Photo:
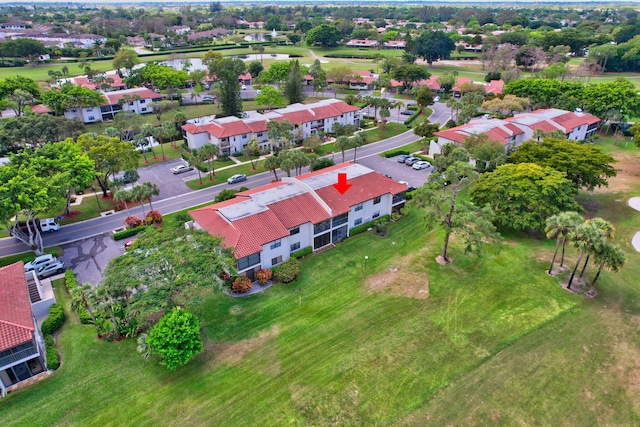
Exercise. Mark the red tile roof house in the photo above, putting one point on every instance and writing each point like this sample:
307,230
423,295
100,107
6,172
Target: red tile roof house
117,84
265,225
232,134
362,43
519,128
432,82
24,301
111,106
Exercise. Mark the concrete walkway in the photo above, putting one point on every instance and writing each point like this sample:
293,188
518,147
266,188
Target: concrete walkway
256,288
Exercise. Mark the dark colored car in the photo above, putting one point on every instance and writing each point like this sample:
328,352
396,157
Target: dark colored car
402,158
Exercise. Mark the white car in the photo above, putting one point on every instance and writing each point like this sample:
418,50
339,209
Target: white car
244,87
51,269
181,169
421,165
40,261
436,99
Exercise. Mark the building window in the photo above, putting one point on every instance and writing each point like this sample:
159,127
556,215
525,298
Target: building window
294,231
275,244
277,260
259,134
376,214
321,226
358,207
91,109
143,101
91,118
131,103
244,136
249,261
294,246
340,219
358,221
376,200
143,109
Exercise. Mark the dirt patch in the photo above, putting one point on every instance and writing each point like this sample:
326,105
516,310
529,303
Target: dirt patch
401,279
233,352
628,169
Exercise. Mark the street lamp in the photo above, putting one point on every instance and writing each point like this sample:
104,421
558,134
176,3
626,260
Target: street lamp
366,257
93,187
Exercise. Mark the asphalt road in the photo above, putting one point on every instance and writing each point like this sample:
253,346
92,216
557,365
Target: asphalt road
185,198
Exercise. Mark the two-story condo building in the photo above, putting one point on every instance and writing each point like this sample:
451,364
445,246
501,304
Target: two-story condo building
232,134
138,101
519,128
265,225
23,300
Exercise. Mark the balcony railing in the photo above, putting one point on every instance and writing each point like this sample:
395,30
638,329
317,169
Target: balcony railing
18,355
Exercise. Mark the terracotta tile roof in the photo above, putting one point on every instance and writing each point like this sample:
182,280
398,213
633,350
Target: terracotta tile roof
257,230
495,87
84,81
299,210
16,321
142,92
572,120
460,82
40,109
245,76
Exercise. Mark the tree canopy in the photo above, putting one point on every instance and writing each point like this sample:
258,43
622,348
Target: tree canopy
324,35
524,195
434,45
584,165
175,338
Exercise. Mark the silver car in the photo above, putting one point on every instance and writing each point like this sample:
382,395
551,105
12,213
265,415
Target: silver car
51,269
40,261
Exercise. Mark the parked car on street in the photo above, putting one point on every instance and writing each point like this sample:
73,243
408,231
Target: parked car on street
402,158
237,178
39,262
421,165
181,169
406,112
51,269
208,98
411,160
436,99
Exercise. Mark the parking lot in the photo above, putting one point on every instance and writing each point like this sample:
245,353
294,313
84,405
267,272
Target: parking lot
397,171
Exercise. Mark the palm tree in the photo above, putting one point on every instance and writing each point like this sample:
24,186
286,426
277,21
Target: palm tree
83,296
585,237
112,132
141,142
138,194
343,143
398,105
152,189
610,256
147,130
210,152
356,141
272,163
558,227
106,301
123,196
608,231
455,105
384,116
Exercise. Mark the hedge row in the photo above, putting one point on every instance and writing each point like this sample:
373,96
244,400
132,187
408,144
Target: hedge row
413,117
364,227
71,283
393,153
53,362
302,252
54,321
128,232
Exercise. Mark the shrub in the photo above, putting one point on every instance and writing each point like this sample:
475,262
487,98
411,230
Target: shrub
393,153
54,321
70,280
133,221
53,362
413,117
153,217
364,227
288,270
128,232
264,276
450,124
241,285
302,252
380,227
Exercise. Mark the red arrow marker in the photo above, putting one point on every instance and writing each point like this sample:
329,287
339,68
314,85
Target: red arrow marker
342,185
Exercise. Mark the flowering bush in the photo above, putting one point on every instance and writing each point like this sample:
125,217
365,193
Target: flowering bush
264,276
133,221
153,217
241,285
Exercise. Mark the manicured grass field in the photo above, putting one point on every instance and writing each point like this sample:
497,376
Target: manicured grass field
497,342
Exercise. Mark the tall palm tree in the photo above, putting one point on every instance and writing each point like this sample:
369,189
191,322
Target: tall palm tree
106,302
343,143
123,196
585,237
538,134
138,194
356,141
272,163
398,105
558,227
210,152
152,189
609,256
83,296
147,130
608,231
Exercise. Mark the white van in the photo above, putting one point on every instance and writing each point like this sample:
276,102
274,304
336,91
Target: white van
49,224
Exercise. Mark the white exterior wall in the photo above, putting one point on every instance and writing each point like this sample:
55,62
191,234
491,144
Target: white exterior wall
196,140
268,254
304,237
140,106
86,115
579,133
